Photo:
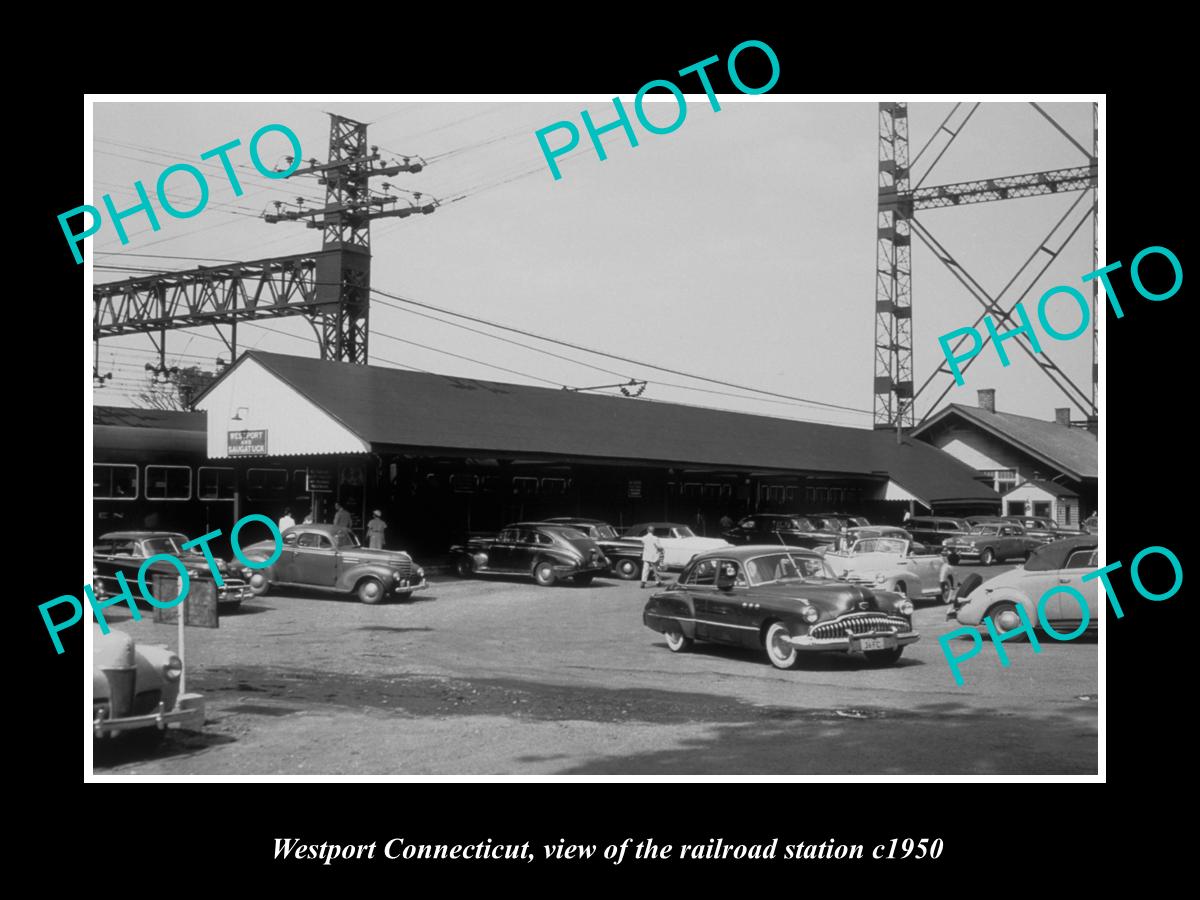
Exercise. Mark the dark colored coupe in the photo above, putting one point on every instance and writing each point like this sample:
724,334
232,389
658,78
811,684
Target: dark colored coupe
786,602
1043,528
624,554
789,529
545,551
991,542
125,551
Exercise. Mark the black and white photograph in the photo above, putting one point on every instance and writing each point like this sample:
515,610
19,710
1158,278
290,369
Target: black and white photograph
684,433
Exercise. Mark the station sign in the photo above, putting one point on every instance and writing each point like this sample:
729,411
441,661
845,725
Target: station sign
320,481
248,443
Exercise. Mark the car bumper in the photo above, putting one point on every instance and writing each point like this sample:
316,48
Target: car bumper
404,586
964,553
852,643
568,571
188,713
234,591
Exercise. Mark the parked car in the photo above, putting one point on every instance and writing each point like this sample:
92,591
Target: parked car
933,531
330,558
137,687
848,537
1043,528
895,564
787,602
775,528
1091,524
991,542
679,542
125,551
546,551
1059,563
624,555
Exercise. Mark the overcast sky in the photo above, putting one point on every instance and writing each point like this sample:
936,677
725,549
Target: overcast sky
740,247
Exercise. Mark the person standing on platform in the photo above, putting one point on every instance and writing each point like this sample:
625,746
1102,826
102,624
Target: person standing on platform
652,552
286,521
375,529
341,516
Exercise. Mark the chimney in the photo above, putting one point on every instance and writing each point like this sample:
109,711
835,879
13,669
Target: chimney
987,399
1062,416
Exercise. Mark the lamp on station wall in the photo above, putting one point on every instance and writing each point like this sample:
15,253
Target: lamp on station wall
237,416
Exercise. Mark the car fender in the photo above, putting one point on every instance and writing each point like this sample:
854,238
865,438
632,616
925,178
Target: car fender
677,606
947,573
350,577
982,599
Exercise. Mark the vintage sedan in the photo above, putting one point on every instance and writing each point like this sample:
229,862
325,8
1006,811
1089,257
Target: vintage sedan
787,602
1052,565
934,531
125,551
895,564
624,554
546,551
1043,528
137,687
989,543
783,529
330,558
679,542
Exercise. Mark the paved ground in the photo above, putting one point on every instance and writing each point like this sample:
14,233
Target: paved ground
504,677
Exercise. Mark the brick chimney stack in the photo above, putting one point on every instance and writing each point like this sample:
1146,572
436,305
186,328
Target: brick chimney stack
1062,416
987,399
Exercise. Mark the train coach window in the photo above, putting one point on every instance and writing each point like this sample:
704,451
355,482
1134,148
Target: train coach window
554,486
114,482
525,486
214,483
266,484
168,483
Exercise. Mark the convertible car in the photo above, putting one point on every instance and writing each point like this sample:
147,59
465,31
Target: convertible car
125,551
679,542
138,687
330,558
991,542
895,564
787,602
546,551
1063,562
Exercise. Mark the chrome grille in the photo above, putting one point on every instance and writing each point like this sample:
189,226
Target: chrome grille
858,623
404,567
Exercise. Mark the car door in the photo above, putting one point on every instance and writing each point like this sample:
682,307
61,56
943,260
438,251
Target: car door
501,551
315,560
1063,607
525,548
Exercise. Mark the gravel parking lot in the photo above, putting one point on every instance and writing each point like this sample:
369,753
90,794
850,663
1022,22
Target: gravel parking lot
504,677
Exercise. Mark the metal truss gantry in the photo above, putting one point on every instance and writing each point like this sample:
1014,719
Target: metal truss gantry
330,288
895,394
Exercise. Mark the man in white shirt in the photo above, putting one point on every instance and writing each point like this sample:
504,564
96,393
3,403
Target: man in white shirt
652,551
286,521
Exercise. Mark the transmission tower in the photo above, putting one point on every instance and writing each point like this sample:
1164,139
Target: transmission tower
899,200
330,288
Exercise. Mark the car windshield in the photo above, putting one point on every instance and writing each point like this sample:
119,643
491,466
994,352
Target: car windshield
563,531
153,546
346,539
682,531
986,529
785,567
880,545
801,524
605,532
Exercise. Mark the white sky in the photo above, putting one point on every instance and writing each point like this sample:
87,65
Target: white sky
740,247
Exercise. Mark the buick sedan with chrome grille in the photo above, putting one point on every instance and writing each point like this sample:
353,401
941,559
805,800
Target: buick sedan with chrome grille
787,602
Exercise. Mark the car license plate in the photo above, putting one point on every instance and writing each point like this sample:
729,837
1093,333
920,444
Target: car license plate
879,643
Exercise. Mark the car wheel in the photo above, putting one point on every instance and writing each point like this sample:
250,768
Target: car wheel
371,590
948,592
583,579
988,557
627,569
543,573
902,589
464,567
781,653
1005,618
677,642
884,657
259,584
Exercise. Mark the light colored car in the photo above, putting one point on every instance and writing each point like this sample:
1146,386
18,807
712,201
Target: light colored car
137,687
1061,563
895,564
679,542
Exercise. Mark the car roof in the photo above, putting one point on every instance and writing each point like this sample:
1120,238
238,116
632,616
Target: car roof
138,535
745,551
319,527
657,525
558,520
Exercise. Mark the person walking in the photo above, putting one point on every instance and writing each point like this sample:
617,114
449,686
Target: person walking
286,521
726,522
375,529
652,551
341,516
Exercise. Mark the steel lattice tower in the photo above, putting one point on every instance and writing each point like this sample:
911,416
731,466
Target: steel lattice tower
893,274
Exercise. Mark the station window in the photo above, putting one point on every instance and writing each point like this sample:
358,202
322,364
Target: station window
692,489
772,493
525,487
266,484
554,487
215,483
491,483
114,482
168,483
791,495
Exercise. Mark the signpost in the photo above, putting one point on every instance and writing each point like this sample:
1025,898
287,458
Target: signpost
252,442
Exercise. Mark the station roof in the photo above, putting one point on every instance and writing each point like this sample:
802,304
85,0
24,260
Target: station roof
1070,450
388,408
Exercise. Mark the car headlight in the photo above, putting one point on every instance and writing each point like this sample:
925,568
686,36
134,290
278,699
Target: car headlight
880,578
420,573
173,669
395,576
222,566
904,607
810,614
246,573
